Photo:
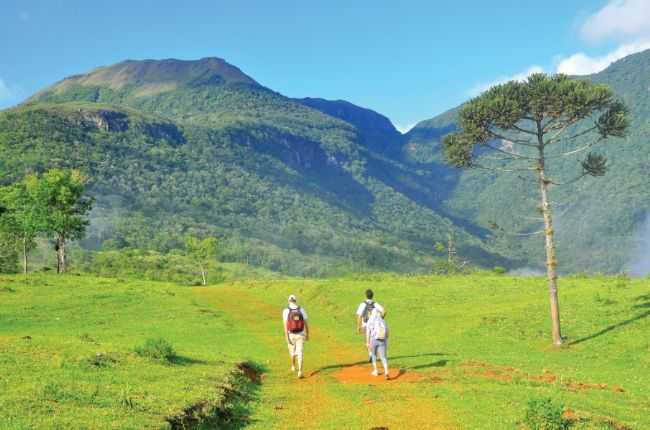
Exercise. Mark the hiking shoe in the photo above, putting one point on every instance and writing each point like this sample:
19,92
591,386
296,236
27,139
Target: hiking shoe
387,376
375,373
293,368
300,375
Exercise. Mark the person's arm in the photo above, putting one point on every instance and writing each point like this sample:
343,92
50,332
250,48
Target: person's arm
360,311
306,330
284,327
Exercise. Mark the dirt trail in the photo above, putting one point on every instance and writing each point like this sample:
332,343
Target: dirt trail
338,392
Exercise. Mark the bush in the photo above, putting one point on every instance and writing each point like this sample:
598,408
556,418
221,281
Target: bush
157,349
499,270
543,414
101,359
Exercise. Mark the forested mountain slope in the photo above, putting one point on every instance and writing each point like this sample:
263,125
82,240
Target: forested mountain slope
176,147
598,220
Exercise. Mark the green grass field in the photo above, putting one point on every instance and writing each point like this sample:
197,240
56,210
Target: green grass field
465,352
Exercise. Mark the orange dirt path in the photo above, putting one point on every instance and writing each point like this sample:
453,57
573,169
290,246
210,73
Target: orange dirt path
323,399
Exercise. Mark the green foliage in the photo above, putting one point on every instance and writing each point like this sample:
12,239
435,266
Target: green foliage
8,253
454,267
67,353
201,249
157,349
612,209
454,371
61,192
283,186
101,359
553,103
499,270
25,215
544,414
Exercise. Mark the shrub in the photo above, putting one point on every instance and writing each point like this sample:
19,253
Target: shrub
544,414
101,359
499,270
157,349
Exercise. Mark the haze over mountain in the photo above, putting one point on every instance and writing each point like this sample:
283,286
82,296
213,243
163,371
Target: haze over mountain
307,186
599,221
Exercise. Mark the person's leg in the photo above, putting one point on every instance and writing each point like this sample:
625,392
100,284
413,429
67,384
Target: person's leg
373,357
299,341
382,349
363,329
292,354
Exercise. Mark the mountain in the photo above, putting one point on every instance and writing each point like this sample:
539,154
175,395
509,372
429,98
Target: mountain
599,221
303,186
375,130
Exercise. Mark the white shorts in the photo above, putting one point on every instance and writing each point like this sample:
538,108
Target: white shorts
296,343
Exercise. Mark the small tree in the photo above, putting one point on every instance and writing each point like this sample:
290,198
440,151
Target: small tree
8,253
202,251
25,217
62,194
529,126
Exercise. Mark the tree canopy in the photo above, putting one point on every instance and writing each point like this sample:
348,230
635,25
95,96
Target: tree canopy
525,127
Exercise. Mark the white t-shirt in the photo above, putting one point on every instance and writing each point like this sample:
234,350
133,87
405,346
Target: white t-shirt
285,312
362,308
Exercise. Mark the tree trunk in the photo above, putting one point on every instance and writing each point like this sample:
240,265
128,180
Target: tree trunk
25,266
551,259
60,254
205,279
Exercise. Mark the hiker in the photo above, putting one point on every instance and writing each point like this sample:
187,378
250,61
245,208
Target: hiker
377,341
296,332
363,315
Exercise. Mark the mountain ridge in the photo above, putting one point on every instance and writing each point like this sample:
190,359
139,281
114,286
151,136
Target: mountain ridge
600,224
304,186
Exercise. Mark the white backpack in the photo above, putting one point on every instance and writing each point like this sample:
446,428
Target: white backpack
380,328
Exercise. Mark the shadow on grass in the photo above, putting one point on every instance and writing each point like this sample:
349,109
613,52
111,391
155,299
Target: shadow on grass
180,360
438,363
644,303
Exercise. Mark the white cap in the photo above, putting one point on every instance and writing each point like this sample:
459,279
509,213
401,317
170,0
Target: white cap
292,298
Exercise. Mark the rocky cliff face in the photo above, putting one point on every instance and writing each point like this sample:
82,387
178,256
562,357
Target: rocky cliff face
102,119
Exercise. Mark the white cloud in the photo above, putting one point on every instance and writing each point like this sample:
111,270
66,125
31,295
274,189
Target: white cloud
623,20
5,92
479,88
404,127
583,64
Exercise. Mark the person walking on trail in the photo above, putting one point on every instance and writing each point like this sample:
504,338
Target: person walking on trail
296,332
363,314
377,341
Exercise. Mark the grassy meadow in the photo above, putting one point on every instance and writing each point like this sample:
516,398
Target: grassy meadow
466,352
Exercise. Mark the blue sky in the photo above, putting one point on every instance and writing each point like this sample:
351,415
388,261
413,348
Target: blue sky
409,60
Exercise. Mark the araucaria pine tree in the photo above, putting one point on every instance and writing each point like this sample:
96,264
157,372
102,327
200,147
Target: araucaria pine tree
528,126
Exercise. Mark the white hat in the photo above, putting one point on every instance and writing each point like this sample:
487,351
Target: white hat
292,298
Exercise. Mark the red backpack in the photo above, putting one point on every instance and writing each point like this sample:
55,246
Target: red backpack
295,321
